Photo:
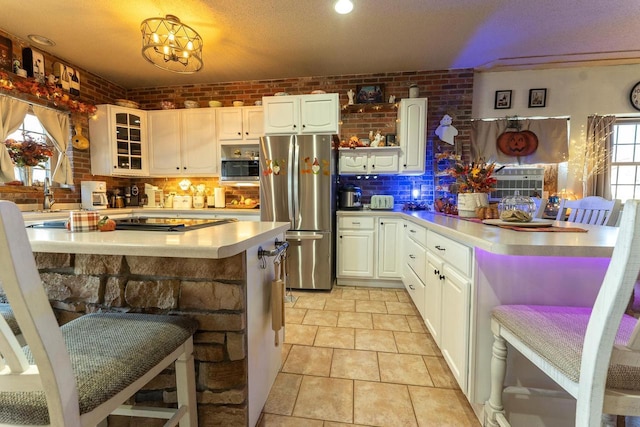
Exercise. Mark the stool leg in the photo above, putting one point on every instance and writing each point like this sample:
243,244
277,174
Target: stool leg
186,385
493,406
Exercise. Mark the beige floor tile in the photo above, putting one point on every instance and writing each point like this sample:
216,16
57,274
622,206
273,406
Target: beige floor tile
358,294
321,318
294,315
390,322
440,372
314,303
381,404
355,365
451,407
283,394
403,296
335,337
328,399
332,424
300,334
400,308
371,306
270,420
355,320
336,292
286,348
338,304
375,340
309,361
403,369
383,295
416,324
414,343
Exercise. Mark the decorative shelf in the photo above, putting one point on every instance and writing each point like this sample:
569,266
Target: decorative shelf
369,108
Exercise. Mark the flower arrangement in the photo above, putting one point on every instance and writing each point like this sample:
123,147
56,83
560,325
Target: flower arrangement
28,152
476,177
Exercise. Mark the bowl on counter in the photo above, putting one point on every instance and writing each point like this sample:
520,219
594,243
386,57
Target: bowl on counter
215,104
191,104
238,103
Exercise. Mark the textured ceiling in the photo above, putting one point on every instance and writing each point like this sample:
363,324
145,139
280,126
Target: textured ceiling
270,39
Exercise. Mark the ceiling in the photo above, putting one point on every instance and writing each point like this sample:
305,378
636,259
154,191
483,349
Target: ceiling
271,39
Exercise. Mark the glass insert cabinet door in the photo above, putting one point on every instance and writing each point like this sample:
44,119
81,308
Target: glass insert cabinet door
128,141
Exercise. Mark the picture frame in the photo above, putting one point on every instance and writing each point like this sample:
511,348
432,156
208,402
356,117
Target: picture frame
537,98
370,94
503,100
6,54
33,62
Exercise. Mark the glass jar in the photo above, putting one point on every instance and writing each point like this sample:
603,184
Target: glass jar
516,208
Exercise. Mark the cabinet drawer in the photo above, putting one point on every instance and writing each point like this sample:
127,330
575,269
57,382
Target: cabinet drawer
454,253
416,289
356,222
417,233
415,257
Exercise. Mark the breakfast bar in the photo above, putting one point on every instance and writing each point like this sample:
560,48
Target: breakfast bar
457,270
212,274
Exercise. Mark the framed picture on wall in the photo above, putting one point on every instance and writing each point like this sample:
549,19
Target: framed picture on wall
370,94
33,62
537,98
503,100
6,57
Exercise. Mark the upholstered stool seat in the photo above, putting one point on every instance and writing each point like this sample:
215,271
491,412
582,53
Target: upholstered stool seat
119,361
557,334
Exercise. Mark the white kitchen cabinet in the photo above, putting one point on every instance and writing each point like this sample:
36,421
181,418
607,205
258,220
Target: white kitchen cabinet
389,260
296,114
412,119
369,161
119,142
356,247
413,253
182,142
240,124
447,301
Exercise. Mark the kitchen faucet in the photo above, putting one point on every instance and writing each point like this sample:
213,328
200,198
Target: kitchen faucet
49,201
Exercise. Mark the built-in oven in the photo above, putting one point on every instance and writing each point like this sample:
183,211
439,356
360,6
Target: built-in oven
240,170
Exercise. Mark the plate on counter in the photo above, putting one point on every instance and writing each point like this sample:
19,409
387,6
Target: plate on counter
536,222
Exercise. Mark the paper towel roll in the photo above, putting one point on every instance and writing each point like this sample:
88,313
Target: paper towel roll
218,194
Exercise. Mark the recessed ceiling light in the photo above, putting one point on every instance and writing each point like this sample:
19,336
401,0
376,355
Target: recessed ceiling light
41,40
343,6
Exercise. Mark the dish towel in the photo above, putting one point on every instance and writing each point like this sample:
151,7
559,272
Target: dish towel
277,300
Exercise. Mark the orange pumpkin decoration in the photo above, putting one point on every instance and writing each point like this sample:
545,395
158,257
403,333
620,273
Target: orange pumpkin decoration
518,143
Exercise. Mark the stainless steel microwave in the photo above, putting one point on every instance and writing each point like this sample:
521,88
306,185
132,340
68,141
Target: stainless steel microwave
240,170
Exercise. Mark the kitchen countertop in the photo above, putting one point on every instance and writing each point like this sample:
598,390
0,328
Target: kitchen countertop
32,216
597,242
218,241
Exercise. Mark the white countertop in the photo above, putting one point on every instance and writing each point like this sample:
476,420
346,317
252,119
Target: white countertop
33,216
219,241
597,242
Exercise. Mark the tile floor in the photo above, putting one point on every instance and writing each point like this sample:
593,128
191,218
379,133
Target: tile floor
362,356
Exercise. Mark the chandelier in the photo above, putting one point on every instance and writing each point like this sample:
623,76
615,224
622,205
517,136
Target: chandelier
169,44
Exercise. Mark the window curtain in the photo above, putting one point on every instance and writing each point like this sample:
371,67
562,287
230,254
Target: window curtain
12,114
553,140
57,128
597,156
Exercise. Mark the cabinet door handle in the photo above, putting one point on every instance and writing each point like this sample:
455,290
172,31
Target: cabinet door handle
294,126
177,168
382,223
404,166
364,167
411,230
411,287
239,133
440,248
373,166
184,167
356,223
412,256
246,133
437,272
441,277
304,126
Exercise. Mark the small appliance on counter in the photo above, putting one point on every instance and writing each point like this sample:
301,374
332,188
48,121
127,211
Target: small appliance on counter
94,195
349,197
381,202
154,196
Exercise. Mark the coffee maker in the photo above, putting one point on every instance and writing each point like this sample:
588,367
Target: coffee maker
132,196
94,195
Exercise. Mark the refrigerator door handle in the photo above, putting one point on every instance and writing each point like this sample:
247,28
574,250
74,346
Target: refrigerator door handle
303,236
290,184
294,175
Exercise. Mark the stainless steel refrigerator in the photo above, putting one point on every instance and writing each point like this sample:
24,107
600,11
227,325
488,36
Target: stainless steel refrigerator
297,185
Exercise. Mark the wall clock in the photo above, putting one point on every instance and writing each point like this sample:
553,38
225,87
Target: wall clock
634,96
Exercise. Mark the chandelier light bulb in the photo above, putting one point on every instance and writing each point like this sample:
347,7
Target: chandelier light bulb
343,6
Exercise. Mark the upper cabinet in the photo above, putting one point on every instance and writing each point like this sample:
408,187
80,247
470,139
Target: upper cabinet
412,118
240,124
118,142
294,114
183,142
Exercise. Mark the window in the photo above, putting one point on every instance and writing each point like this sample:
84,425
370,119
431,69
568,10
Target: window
31,125
625,160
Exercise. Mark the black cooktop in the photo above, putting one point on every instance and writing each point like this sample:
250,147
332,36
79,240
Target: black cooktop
143,223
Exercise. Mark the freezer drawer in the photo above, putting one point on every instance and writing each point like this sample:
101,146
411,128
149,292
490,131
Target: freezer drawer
310,260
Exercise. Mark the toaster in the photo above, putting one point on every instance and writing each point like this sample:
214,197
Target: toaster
382,202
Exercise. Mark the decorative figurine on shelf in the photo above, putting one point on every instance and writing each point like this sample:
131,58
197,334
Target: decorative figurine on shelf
351,94
392,99
445,131
378,140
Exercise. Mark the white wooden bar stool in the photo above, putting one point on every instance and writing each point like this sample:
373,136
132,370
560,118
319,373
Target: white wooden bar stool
592,353
78,374
590,210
